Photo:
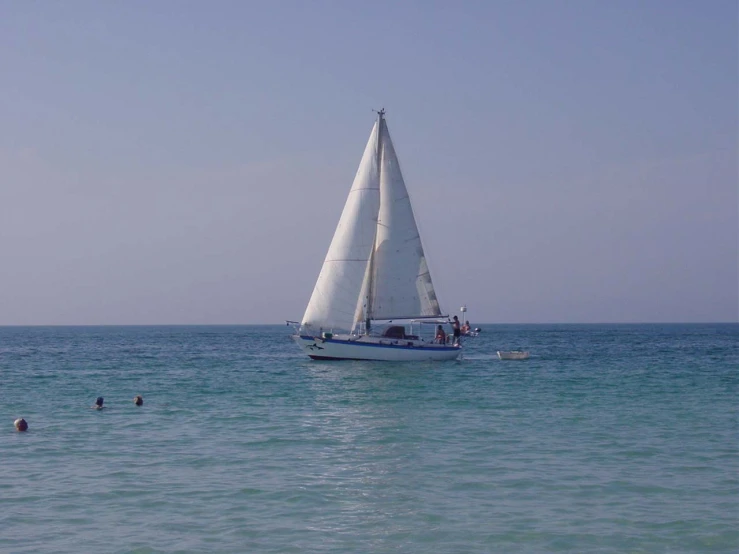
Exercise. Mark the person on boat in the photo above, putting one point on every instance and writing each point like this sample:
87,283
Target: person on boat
98,403
457,330
466,327
440,335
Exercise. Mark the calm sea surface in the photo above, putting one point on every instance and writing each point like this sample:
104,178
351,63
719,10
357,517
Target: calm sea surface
618,438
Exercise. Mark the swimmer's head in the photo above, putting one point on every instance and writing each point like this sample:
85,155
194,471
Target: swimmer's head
21,425
138,400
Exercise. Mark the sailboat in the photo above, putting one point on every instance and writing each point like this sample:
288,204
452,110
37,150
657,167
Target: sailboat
374,294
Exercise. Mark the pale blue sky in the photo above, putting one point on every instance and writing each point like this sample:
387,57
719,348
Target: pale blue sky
187,162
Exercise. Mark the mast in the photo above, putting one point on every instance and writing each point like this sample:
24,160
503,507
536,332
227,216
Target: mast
371,283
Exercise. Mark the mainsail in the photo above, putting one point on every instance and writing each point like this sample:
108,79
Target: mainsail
375,267
401,282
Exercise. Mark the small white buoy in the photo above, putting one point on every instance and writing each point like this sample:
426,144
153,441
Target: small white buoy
21,425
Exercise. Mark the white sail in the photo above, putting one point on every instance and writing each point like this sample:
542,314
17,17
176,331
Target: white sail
401,283
334,300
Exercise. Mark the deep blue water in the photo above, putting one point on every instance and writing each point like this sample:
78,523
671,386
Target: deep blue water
620,438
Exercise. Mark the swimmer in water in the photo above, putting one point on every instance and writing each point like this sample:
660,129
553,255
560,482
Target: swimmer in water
21,425
138,400
98,403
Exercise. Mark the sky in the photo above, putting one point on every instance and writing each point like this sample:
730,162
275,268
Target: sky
182,162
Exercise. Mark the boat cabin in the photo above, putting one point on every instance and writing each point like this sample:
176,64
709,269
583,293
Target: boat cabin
397,332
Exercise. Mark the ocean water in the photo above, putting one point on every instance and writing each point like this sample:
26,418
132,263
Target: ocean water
621,438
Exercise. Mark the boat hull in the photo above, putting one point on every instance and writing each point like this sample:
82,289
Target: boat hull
374,348
513,355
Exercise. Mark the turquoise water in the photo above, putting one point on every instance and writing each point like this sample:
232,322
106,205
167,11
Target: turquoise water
609,439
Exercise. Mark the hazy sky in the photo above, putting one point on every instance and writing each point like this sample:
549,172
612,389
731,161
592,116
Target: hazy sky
187,162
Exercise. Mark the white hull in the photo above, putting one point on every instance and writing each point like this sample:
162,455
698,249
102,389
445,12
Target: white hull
374,348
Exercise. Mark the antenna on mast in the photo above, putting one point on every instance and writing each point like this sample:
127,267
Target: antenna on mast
380,112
